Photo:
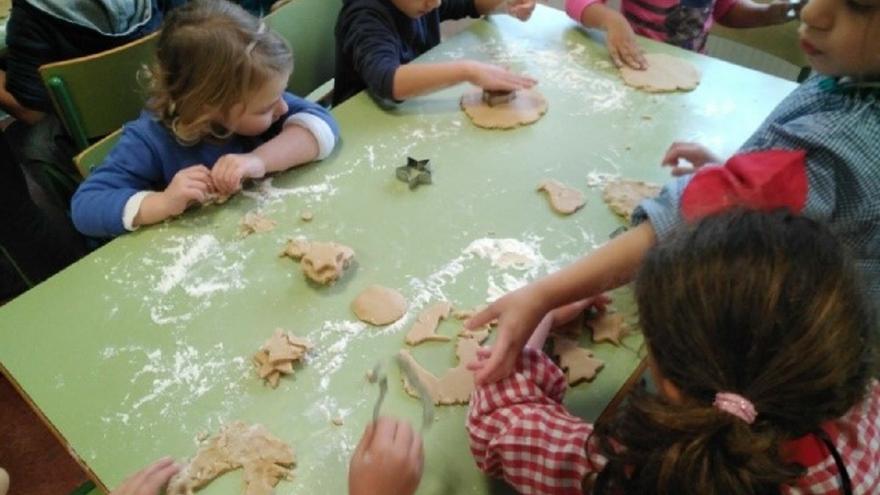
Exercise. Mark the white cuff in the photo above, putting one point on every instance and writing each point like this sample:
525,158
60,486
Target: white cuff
316,125
132,207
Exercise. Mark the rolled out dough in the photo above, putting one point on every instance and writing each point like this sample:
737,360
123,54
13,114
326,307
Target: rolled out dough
578,363
425,327
379,305
623,195
455,385
665,73
322,262
527,107
563,199
264,458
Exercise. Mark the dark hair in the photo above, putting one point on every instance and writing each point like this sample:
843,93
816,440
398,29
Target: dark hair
211,55
765,305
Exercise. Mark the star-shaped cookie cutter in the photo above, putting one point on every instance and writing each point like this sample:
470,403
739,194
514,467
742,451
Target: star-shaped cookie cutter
415,172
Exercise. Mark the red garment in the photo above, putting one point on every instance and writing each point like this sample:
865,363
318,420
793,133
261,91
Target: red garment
520,431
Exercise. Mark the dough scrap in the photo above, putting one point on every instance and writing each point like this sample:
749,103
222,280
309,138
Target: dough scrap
525,108
665,73
379,305
277,355
623,195
306,215
215,199
455,385
608,327
425,327
264,459
578,363
255,223
563,199
322,262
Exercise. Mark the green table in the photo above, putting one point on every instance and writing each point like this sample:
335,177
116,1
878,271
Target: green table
133,351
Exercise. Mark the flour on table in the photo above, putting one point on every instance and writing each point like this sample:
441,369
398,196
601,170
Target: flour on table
665,73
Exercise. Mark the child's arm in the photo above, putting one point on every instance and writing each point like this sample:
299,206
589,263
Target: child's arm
387,461
611,265
151,480
415,79
520,431
620,39
749,14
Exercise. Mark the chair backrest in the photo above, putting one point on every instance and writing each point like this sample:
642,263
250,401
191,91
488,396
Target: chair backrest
781,41
308,25
92,156
98,93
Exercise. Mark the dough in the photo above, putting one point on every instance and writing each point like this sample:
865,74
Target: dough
254,223
623,195
563,199
306,215
425,327
527,107
578,363
608,327
454,386
215,199
379,305
264,458
278,354
322,262
664,73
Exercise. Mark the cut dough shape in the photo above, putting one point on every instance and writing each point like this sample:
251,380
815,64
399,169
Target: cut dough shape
264,459
480,335
623,195
255,223
306,215
665,73
425,327
322,262
608,327
277,355
454,386
498,97
527,107
578,363
379,305
215,199
563,199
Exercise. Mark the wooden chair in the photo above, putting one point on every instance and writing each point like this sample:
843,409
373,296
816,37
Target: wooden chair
779,41
96,94
92,156
309,26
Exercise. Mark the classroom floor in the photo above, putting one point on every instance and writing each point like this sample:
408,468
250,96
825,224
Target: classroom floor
37,463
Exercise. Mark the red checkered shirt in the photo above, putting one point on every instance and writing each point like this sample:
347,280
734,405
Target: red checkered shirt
520,431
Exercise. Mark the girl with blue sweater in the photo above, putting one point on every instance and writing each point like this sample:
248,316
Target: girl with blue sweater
218,113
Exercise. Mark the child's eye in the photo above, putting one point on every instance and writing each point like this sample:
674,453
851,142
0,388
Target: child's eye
861,5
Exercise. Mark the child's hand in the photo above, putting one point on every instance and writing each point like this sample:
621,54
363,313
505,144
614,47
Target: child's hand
387,461
231,169
521,9
493,77
621,42
697,154
189,185
149,481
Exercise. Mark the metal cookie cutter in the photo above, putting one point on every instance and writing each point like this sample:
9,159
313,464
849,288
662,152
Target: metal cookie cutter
378,375
427,401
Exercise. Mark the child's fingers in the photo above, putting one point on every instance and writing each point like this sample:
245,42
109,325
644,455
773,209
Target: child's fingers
366,441
482,318
417,452
499,364
155,480
615,56
403,436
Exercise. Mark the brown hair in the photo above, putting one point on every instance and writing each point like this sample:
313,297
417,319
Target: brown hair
212,54
763,305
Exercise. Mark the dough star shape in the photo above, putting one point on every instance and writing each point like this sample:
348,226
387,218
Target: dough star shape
608,327
563,199
322,262
277,356
664,74
578,363
525,108
379,305
455,385
264,459
623,195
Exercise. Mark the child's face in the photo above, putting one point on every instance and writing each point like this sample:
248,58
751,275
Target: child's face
842,37
265,106
416,8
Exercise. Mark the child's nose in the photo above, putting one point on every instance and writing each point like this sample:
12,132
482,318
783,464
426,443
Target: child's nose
818,14
280,108
432,4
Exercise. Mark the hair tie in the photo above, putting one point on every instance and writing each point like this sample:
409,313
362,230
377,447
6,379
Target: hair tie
736,405
253,44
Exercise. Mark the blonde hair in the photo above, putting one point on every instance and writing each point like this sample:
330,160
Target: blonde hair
211,56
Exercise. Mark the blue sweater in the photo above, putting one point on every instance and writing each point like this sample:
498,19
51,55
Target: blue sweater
374,38
148,156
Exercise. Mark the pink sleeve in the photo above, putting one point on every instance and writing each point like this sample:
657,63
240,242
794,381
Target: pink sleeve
575,8
722,7
520,431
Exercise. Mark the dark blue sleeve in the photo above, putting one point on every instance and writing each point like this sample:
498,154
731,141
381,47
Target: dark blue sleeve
458,9
130,167
369,35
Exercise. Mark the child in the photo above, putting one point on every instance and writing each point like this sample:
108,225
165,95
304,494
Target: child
377,39
684,24
816,155
218,114
759,344
387,461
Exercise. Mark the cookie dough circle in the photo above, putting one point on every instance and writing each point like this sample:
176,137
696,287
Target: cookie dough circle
528,106
665,73
379,305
